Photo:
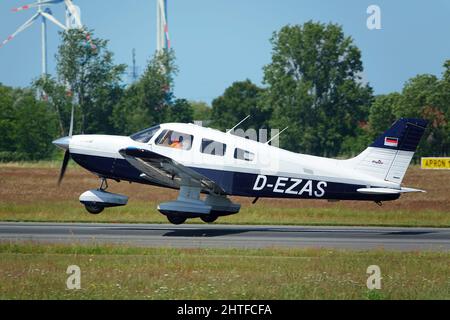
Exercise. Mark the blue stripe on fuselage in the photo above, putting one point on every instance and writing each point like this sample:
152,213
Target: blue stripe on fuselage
111,168
239,183
265,186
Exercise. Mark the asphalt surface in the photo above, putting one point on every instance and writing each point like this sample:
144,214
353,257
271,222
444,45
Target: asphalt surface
230,236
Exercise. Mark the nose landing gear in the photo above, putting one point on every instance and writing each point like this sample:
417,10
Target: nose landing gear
94,208
96,200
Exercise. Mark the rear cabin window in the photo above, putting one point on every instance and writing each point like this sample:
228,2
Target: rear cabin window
175,139
212,147
242,154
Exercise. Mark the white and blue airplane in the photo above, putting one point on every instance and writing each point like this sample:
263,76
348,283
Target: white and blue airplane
207,166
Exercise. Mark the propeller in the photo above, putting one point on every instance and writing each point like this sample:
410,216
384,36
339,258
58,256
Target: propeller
64,143
64,166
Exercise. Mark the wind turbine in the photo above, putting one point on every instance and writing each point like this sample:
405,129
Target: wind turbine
45,14
162,28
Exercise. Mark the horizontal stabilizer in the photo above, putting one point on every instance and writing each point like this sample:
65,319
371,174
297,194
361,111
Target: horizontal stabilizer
387,190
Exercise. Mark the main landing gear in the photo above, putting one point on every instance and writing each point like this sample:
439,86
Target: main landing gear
97,207
210,218
176,219
189,205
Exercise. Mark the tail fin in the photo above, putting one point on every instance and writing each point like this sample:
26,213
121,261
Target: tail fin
388,157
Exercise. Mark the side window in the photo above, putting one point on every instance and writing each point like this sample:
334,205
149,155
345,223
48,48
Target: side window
174,139
241,154
213,147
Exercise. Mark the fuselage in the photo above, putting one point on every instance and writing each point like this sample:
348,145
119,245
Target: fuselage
243,167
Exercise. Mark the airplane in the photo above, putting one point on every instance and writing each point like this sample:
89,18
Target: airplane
207,166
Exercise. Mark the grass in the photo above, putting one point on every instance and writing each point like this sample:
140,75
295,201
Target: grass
145,212
29,193
30,271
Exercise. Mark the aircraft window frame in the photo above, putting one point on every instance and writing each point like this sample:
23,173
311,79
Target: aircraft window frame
165,140
244,153
209,142
145,135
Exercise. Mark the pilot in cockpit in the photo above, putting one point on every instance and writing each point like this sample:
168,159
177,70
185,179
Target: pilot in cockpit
177,144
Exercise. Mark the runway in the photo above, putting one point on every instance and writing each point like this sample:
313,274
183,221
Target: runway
230,236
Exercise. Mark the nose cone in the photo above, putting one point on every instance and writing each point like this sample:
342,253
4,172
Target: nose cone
62,143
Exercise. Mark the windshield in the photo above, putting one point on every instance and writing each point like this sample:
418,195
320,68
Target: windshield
145,135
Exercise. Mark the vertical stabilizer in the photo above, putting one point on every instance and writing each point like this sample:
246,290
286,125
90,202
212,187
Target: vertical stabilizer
388,157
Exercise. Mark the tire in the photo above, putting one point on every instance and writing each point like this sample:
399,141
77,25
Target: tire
94,208
210,218
176,219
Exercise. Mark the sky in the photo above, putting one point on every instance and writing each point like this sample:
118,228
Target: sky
217,42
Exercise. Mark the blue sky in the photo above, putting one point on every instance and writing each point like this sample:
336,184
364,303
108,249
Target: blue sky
218,42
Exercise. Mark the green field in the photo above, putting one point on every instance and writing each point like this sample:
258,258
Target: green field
30,271
38,271
29,193
145,212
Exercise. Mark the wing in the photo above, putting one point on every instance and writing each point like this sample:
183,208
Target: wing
166,171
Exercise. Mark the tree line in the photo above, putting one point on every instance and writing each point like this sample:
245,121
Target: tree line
313,85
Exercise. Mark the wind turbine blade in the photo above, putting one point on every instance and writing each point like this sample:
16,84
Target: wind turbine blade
53,19
36,4
74,12
162,9
21,28
73,20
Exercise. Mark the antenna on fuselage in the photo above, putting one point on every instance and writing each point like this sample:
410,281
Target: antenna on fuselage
238,124
276,135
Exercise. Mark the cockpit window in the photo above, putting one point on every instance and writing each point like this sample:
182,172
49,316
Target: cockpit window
145,135
174,139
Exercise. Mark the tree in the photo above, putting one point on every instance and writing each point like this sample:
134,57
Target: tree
87,70
315,87
241,99
27,126
426,96
383,113
181,111
58,98
202,111
147,101
381,117
36,127
7,117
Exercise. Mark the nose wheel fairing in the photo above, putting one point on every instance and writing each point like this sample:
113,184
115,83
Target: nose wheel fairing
98,199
